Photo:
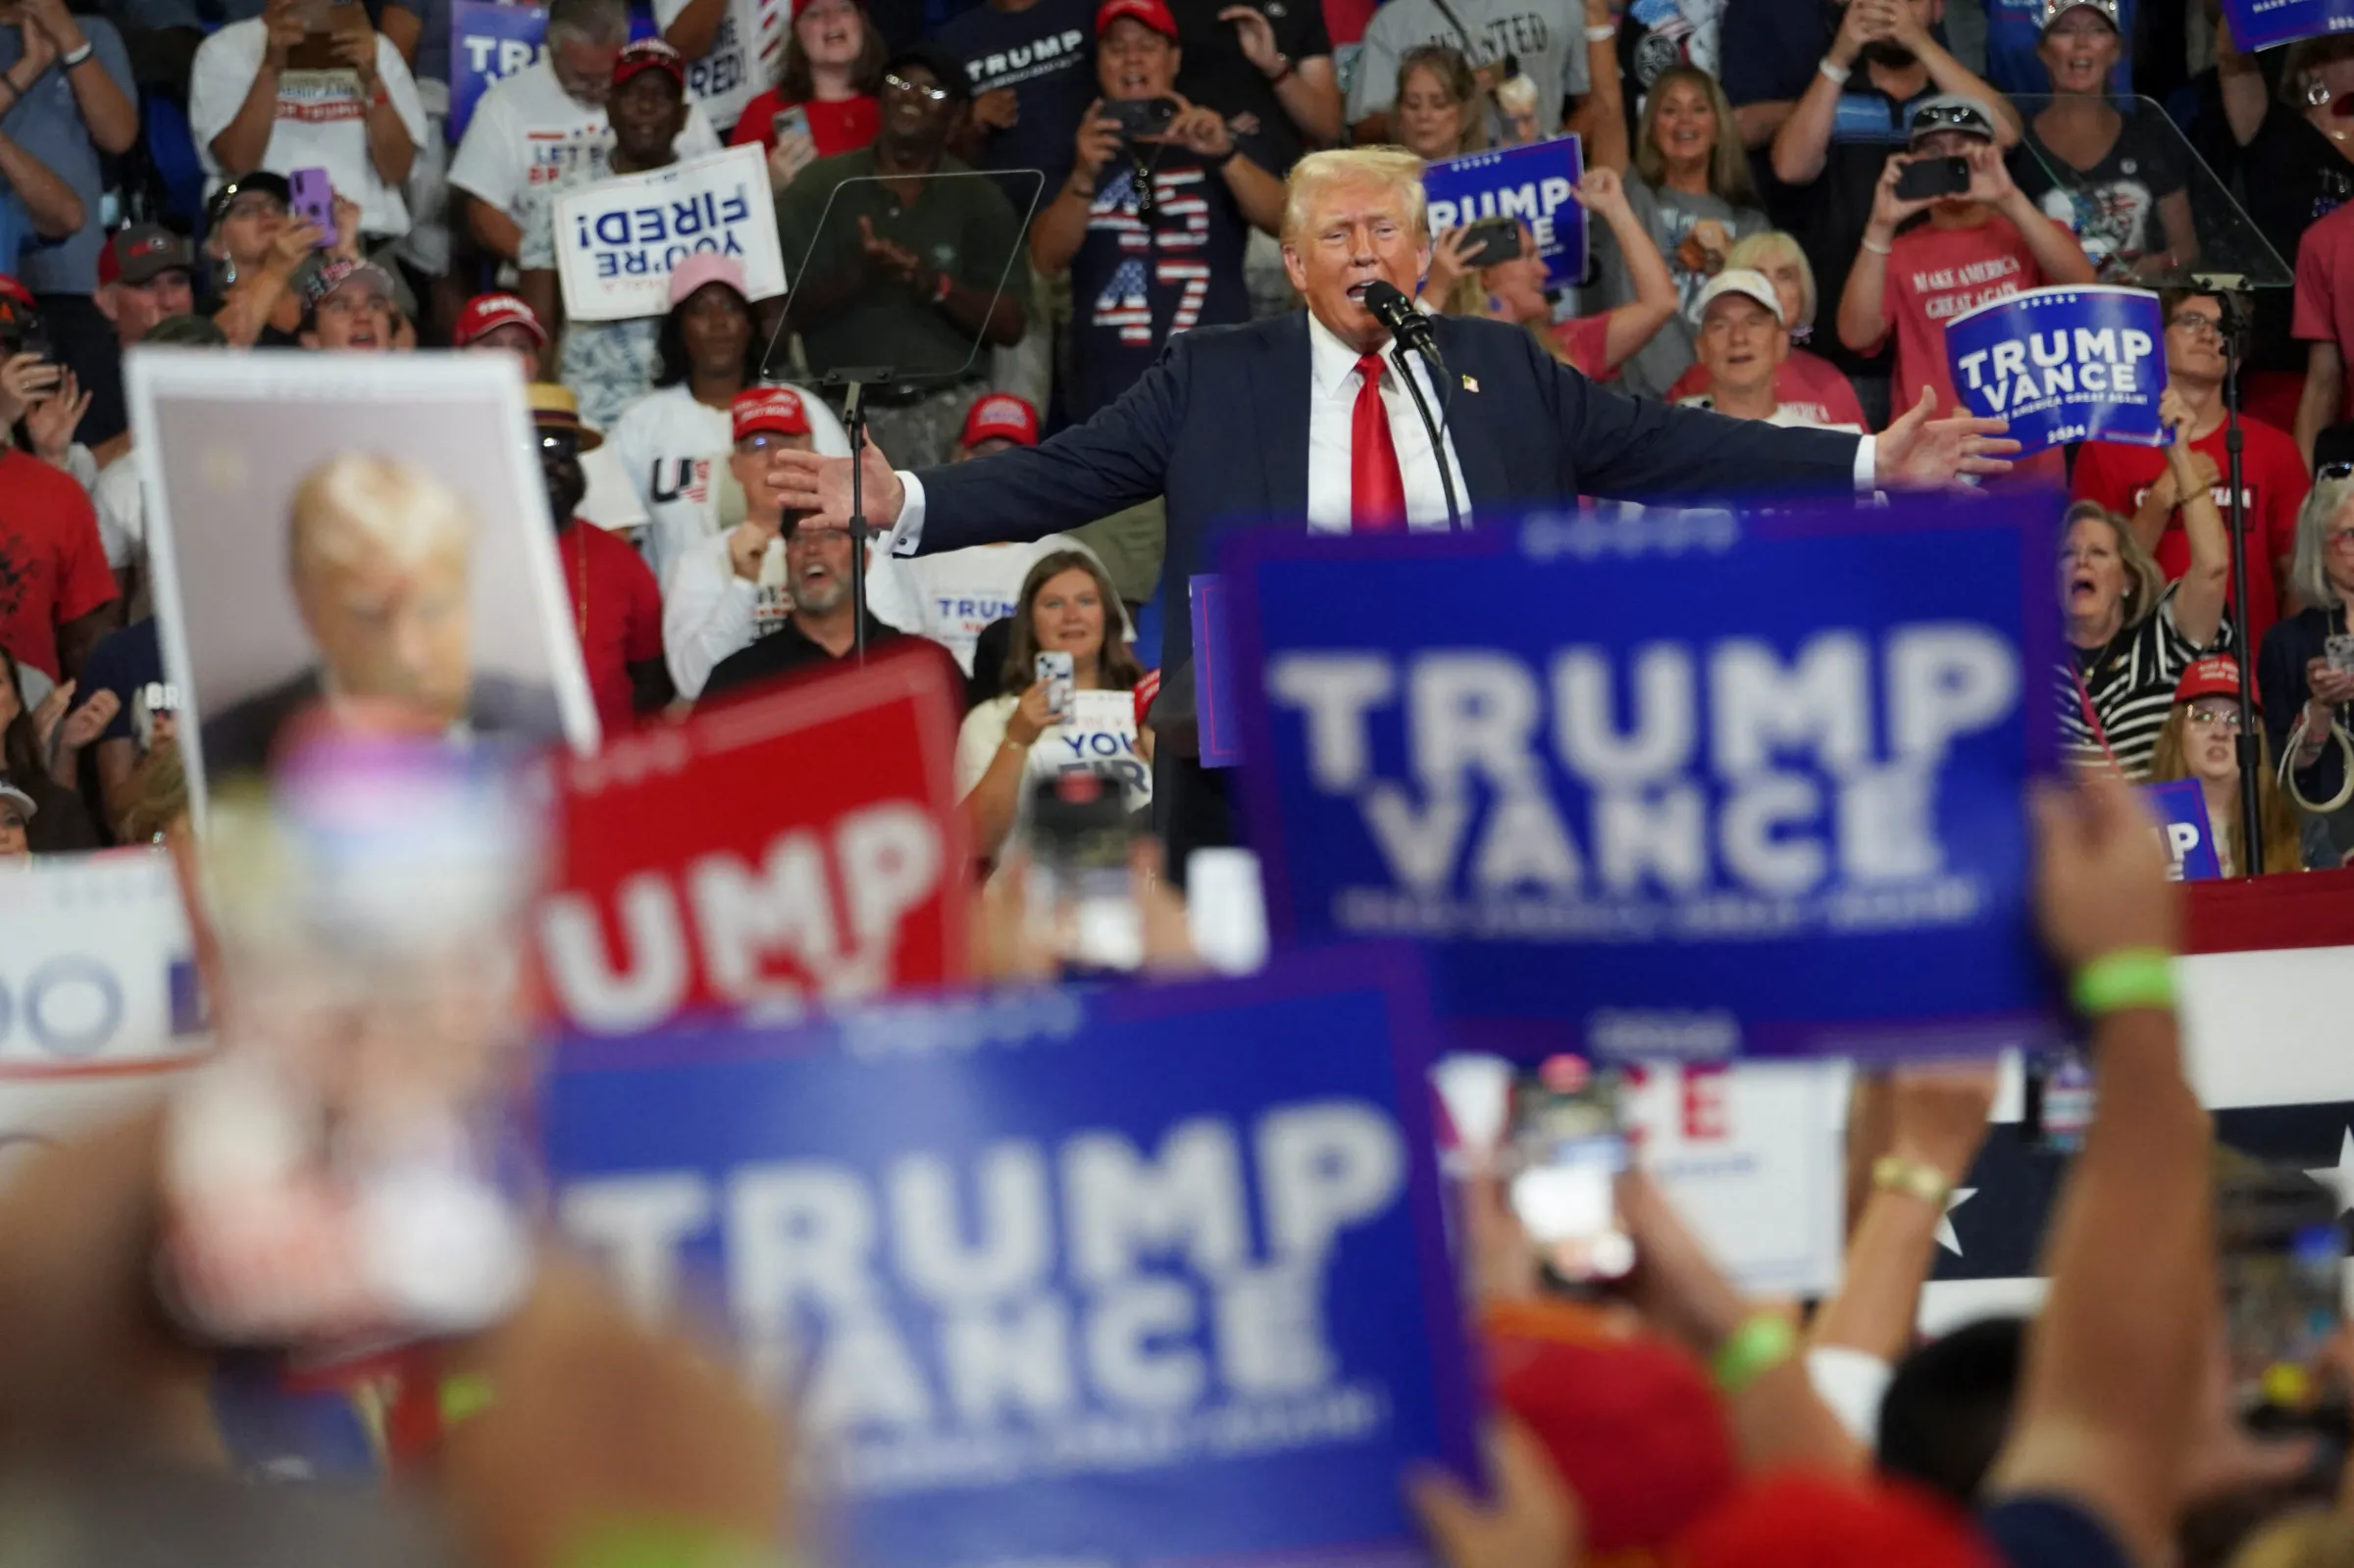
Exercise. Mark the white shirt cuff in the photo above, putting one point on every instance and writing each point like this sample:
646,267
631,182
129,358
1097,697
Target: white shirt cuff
1867,466
907,533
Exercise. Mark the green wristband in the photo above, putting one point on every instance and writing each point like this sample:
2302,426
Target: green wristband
662,1543
2131,977
1754,1349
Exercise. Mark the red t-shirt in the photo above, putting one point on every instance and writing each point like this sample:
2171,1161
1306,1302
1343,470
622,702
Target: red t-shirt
1935,275
2325,312
1807,384
617,613
2272,489
835,125
52,566
1586,340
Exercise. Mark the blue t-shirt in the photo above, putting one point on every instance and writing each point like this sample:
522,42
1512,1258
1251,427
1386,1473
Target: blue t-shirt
1137,281
17,235
48,124
1046,55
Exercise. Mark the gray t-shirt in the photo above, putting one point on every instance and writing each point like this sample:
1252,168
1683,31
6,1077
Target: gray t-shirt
1670,215
48,124
1546,36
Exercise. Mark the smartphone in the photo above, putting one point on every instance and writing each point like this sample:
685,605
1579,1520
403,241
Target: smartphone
1055,670
2279,1253
311,197
1141,119
793,121
32,338
1568,1145
1924,178
1080,836
156,700
1490,241
2338,649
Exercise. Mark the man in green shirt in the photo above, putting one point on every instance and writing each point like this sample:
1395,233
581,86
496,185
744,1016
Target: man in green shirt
895,269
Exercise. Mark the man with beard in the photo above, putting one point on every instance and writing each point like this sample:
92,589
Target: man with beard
616,608
906,271
1854,113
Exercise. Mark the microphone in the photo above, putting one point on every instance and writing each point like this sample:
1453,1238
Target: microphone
1406,323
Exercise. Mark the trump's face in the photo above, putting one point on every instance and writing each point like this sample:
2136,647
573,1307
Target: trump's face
392,629
1355,233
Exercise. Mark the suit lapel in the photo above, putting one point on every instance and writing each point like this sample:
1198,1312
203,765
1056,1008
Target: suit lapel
1469,422
1279,409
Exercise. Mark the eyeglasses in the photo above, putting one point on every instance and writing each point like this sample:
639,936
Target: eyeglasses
261,204
898,84
2198,323
2216,718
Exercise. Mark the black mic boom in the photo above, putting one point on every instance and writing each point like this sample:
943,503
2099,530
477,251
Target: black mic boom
1406,323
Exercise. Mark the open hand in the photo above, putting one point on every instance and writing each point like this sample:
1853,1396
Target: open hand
52,421
1921,453
1533,1522
25,380
86,724
1256,34
889,257
820,488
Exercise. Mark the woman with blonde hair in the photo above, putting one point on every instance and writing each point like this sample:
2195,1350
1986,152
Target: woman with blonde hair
1807,383
2201,741
1690,188
2305,671
1442,110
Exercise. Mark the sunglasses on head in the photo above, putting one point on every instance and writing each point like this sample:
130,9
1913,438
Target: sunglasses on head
1950,117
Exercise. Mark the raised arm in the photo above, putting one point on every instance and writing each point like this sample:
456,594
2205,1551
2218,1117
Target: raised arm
1864,318
2056,251
2200,597
2113,1367
55,210
1804,143
1638,321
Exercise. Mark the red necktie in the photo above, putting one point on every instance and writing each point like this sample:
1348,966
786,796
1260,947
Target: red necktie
1376,487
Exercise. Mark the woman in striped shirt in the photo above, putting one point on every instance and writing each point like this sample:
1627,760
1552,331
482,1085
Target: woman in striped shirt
2130,633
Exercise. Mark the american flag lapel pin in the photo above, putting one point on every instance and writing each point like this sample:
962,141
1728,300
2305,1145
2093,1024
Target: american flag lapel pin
1471,383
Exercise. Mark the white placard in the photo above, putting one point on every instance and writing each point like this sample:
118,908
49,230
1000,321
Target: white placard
98,1000
617,240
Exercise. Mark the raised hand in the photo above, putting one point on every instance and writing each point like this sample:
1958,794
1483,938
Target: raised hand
1256,34
2100,875
1533,1522
889,257
86,724
1200,130
52,421
1921,453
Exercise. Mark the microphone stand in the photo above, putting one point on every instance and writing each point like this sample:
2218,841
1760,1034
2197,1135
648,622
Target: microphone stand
853,384
2226,290
1438,446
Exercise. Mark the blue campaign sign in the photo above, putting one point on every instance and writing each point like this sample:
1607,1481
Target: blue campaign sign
487,43
2064,365
1128,1276
1687,785
2014,29
1531,184
2180,808
2262,23
1214,671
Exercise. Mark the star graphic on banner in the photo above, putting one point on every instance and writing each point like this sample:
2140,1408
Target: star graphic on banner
2340,1177
1946,1237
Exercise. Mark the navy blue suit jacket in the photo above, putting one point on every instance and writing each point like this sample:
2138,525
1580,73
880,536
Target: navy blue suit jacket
1219,425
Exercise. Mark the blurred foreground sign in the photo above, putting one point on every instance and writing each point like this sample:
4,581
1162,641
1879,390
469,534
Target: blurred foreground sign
2260,24
762,856
1129,1276
98,1000
1680,786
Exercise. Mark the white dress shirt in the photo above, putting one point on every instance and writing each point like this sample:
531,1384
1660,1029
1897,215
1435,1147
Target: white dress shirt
1332,412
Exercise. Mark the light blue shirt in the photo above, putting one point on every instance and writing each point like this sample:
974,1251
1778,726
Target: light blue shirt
48,124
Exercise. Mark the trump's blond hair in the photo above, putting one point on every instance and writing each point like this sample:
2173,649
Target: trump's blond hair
361,506
1388,167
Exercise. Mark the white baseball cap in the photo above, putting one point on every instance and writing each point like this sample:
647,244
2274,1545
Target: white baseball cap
1749,283
24,803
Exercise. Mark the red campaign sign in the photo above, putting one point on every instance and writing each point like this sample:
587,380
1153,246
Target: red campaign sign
798,847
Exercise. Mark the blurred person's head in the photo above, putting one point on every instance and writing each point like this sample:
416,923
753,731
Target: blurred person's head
244,220
2317,77
159,802
1894,56
21,750
556,419
2201,740
2315,1537
1948,1407
997,421
1779,257
19,315
648,107
380,557
1067,605
500,323
1441,112
766,422
2196,339
707,333
17,810
1742,341
2322,567
145,273
1352,217
584,39
1949,126
348,308
1687,135
187,331
833,36
2106,581
925,92
2081,44
1136,50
